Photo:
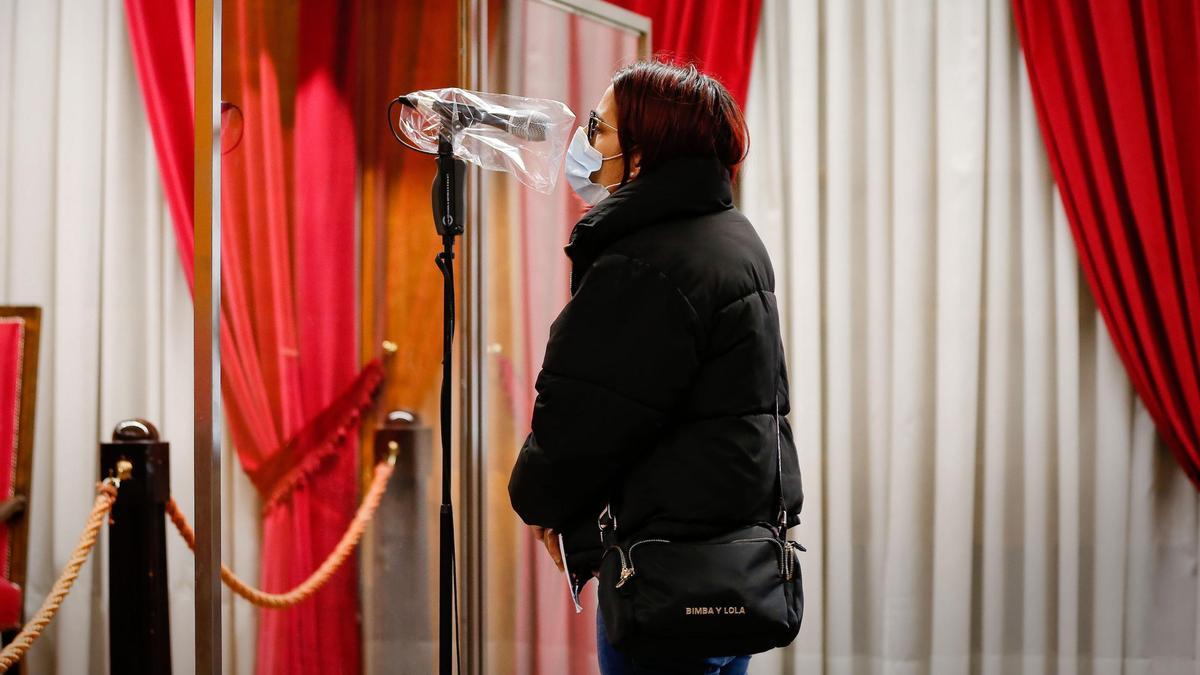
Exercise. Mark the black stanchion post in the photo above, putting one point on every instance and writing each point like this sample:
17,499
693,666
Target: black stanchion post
139,638
394,558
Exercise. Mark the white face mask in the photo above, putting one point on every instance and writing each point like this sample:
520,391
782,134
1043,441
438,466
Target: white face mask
582,161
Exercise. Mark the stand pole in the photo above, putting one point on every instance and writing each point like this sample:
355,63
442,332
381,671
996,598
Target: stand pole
447,217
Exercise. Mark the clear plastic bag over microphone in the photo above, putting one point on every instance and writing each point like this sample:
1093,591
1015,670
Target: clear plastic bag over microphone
526,137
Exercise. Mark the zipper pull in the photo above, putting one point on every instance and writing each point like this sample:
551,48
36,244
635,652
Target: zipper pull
626,573
794,549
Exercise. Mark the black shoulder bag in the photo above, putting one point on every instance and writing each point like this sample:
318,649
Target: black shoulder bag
739,593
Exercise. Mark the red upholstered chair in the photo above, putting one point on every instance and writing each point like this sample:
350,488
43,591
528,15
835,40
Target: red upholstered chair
19,333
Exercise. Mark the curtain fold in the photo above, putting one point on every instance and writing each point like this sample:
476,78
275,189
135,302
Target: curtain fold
163,34
983,491
1117,91
293,391
717,35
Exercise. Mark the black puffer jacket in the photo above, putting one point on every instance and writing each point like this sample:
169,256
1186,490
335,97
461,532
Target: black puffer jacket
658,387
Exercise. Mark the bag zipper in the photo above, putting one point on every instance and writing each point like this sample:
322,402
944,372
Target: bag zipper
794,548
788,560
782,551
628,570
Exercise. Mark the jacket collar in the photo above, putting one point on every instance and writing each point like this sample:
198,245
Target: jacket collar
682,187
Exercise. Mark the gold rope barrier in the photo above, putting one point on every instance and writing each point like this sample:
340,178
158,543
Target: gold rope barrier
366,510
106,494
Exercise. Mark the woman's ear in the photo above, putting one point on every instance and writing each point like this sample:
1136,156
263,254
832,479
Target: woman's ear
635,164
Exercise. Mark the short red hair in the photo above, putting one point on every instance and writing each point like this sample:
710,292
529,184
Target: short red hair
667,111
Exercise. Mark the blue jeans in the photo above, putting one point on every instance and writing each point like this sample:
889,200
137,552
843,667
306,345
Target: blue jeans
613,662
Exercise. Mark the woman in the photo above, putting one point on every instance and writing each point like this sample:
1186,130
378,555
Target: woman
661,374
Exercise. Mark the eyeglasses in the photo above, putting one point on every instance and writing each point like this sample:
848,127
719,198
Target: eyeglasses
594,123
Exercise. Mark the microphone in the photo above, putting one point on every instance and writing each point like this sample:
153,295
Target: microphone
528,125
523,136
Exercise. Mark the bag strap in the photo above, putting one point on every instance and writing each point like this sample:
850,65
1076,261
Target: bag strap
779,471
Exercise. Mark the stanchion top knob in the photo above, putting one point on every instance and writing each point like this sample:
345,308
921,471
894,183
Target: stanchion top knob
135,430
401,419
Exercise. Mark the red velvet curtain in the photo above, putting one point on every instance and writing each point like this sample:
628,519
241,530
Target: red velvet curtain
717,35
290,379
162,33
1117,89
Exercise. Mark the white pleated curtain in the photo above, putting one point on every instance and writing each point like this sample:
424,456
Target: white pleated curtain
85,233
984,493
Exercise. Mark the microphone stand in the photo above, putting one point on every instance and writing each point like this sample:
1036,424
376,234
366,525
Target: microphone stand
447,199
448,220
448,211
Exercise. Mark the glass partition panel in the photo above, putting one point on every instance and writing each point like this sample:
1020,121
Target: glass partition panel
566,51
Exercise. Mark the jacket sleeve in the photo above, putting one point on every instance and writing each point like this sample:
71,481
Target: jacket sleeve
619,357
